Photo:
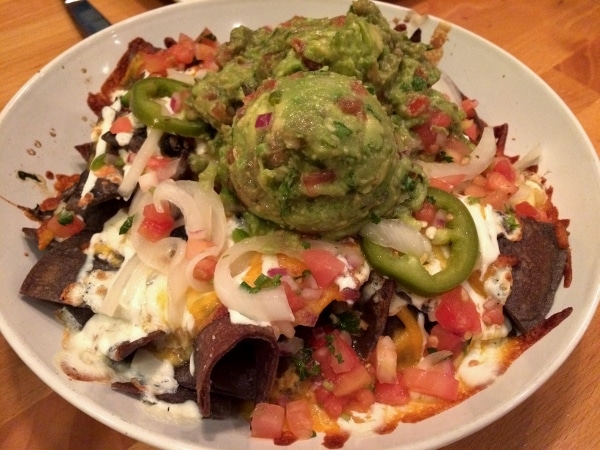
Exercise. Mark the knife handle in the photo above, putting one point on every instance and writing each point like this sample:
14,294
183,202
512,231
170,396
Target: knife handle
87,18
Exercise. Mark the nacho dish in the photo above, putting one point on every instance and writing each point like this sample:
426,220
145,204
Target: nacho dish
308,226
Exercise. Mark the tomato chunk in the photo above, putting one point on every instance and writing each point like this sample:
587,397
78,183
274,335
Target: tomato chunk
156,224
267,421
65,230
324,265
395,394
457,313
436,382
350,382
299,420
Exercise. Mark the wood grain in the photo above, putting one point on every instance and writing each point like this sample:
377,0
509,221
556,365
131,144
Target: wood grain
558,39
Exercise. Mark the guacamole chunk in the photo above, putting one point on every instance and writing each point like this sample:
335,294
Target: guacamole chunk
314,152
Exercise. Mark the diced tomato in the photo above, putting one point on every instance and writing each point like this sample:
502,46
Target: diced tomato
395,394
351,105
436,381
332,405
318,336
323,357
313,181
440,119
526,209
457,313
204,270
156,225
428,137
267,421
427,212
205,52
361,401
493,313
447,183
343,358
157,162
121,125
505,167
350,382
496,181
468,105
184,50
418,105
324,266
442,339
456,148
294,298
474,190
64,231
299,419
159,62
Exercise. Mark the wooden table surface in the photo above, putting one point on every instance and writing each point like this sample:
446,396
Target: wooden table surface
558,39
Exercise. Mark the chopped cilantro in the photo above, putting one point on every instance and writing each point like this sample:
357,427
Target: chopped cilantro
375,218
126,225
65,217
510,222
239,235
98,162
445,157
418,84
262,282
341,130
305,365
332,349
347,321
409,184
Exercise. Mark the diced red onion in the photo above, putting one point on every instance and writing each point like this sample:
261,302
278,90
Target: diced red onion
263,120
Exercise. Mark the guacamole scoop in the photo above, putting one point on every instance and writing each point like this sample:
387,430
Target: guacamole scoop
314,152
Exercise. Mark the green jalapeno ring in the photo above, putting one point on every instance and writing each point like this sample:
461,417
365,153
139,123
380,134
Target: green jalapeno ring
149,112
408,271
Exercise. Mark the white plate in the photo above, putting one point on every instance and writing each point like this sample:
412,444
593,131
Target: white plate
49,115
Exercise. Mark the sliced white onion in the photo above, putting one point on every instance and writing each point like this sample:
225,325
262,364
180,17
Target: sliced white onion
148,148
267,305
202,209
524,194
433,358
173,192
386,358
148,180
161,255
180,76
529,159
446,86
397,235
115,291
479,160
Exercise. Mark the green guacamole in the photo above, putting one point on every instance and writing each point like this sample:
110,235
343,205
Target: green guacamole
313,131
315,152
